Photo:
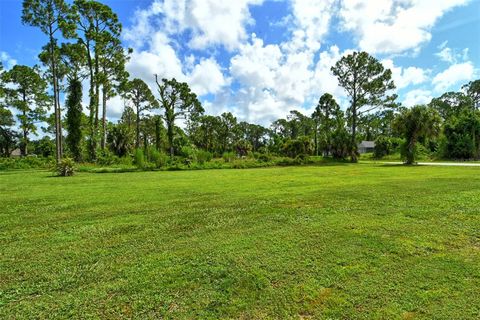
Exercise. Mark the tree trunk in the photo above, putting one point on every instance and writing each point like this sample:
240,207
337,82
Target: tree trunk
91,93
137,140
157,134
353,151
58,145
60,135
104,118
170,138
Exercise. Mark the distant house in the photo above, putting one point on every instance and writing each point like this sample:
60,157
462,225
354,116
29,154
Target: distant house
366,146
15,153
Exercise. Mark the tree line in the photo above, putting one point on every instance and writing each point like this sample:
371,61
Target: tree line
83,43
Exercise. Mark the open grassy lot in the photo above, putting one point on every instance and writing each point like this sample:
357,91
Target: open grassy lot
349,241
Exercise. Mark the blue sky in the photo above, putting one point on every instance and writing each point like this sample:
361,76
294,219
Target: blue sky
260,59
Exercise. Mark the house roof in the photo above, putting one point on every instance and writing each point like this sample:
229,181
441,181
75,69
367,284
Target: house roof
367,144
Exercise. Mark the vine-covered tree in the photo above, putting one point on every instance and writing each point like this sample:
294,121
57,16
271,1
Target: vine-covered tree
177,102
419,122
27,94
367,83
51,17
324,118
74,118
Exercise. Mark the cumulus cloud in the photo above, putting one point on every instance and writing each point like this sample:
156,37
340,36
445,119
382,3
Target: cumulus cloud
450,55
207,77
403,77
210,22
8,61
393,26
417,97
454,75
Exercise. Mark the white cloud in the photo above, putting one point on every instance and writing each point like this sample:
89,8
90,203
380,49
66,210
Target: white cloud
8,61
393,26
403,77
417,97
210,22
313,18
207,77
455,74
450,55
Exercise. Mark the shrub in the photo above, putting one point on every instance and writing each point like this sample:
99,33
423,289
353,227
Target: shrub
139,158
107,158
228,156
29,162
189,153
383,147
203,156
296,147
264,157
160,159
65,168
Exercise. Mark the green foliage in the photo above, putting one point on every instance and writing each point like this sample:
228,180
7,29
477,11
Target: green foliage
74,118
229,157
44,147
139,158
462,134
138,92
160,159
65,168
189,153
204,156
28,162
120,140
298,147
326,121
177,101
106,158
264,157
28,95
8,137
417,123
368,84
383,147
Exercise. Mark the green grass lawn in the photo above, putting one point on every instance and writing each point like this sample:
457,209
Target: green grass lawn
343,242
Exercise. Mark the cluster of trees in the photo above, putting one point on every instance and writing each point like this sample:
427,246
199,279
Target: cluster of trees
83,44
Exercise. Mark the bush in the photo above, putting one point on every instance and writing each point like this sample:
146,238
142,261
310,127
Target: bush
106,158
189,153
228,157
29,162
383,147
65,168
264,157
139,158
160,159
296,147
203,156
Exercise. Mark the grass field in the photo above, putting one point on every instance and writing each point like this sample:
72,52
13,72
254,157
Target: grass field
343,242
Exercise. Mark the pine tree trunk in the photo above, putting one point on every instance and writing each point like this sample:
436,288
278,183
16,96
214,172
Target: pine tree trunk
104,118
58,146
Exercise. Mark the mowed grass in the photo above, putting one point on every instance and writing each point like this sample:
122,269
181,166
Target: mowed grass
343,242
